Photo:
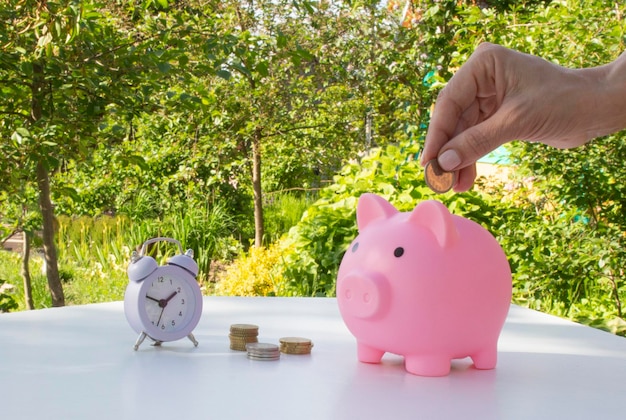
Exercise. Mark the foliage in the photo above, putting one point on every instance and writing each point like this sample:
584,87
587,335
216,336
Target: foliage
108,240
150,110
7,302
329,225
255,273
10,263
566,243
561,265
283,210
565,248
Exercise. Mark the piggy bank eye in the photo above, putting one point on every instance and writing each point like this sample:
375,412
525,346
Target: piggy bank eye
355,247
398,252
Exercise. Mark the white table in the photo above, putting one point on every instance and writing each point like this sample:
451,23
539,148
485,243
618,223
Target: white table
78,363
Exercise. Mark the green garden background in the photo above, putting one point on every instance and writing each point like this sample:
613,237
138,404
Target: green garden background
248,129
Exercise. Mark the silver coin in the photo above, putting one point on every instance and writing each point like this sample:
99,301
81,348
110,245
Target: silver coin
263,359
273,354
264,356
262,347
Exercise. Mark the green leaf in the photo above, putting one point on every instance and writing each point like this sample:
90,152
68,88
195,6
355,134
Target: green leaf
281,41
262,68
22,131
136,160
224,74
241,68
164,67
68,191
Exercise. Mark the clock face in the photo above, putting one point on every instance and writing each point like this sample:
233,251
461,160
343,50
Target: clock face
170,302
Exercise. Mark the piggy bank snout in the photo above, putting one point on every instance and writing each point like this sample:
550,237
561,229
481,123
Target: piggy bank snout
363,295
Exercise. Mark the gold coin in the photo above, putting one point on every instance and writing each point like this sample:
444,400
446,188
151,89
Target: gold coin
295,345
242,337
297,352
243,340
244,328
295,341
237,347
437,179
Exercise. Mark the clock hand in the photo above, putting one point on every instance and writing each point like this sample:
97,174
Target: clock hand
170,297
151,298
162,310
163,304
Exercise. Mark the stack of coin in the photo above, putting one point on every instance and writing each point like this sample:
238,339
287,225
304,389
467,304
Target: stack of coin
263,351
242,334
295,345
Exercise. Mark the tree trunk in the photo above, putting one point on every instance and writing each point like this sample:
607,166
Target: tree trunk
45,204
259,229
49,249
25,272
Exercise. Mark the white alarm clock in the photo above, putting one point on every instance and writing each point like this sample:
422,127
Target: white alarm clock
163,303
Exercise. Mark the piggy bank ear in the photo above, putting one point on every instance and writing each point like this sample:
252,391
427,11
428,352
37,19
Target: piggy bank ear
372,207
436,217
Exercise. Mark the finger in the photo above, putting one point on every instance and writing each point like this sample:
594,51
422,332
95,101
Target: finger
465,178
452,101
475,142
457,97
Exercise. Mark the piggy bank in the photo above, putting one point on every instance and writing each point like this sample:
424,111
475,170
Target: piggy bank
426,285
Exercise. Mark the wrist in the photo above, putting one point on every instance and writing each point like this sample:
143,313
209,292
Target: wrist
610,102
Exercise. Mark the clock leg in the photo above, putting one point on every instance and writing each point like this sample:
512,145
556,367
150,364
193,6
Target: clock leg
193,339
140,339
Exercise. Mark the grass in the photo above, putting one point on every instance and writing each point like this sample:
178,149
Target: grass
93,253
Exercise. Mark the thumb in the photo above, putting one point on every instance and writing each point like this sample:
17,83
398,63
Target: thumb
473,143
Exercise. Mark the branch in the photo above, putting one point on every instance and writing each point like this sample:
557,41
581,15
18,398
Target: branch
304,127
20,114
15,231
10,82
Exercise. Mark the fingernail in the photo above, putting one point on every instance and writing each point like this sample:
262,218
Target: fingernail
449,160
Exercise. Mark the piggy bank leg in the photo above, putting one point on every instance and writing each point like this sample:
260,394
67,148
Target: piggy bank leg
486,358
424,365
368,354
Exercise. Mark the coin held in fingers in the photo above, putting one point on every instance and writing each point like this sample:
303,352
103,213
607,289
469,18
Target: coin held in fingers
437,179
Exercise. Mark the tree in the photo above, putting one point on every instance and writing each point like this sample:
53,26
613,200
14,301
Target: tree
62,64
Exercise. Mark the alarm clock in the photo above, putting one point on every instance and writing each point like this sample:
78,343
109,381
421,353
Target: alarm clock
163,303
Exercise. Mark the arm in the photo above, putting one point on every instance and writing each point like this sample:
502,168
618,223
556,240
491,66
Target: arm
501,95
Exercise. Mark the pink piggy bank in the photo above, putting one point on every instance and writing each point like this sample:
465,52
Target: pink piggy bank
425,284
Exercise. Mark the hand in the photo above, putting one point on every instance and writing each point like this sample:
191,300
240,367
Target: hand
501,95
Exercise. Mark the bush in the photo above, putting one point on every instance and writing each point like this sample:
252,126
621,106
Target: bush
7,302
10,264
319,241
562,263
255,273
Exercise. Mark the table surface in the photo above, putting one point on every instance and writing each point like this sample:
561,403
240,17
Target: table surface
77,362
